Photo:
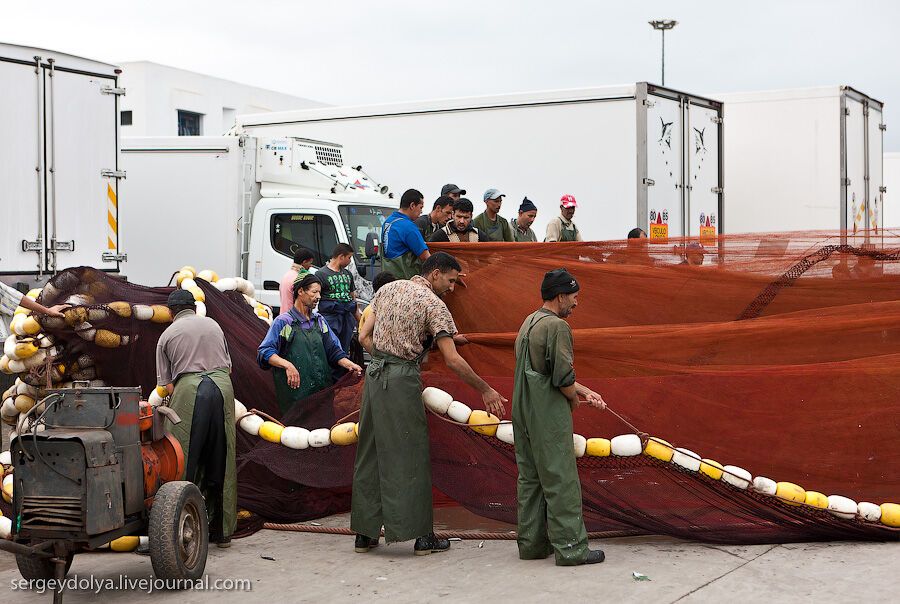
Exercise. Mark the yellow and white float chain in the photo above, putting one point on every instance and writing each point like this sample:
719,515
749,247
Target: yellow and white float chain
444,406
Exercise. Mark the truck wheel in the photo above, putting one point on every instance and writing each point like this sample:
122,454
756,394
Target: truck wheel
32,567
179,535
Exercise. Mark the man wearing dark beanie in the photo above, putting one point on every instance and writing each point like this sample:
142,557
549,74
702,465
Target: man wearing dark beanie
521,226
544,395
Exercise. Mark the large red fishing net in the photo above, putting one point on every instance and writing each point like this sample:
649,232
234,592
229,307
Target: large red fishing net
779,354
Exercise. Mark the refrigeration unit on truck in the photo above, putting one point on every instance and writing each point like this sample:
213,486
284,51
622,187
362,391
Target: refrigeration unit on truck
636,155
243,206
804,159
60,164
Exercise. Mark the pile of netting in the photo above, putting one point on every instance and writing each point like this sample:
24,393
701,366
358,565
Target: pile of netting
779,354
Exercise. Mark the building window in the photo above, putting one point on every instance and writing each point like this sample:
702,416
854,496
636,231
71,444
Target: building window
189,123
125,118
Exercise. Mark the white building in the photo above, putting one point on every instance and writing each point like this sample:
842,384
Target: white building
165,101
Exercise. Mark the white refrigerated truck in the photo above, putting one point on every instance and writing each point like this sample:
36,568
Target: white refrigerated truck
236,204
804,159
242,205
636,155
60,164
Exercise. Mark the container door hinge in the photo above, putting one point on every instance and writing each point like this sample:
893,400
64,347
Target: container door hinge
649,103
718,120
111,90
846,110
107,173
845,182
717,190
62,246
882,127
113,257
882,189
649,182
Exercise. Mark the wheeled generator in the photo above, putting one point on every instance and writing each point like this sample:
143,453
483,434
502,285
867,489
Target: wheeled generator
96,464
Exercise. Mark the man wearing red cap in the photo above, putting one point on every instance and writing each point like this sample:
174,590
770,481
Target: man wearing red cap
561,228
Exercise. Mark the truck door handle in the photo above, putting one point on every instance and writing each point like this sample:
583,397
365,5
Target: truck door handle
270,285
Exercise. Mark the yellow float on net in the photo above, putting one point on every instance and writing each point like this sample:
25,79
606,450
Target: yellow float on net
198,294
189,269
890,514
478,417
598,447
711,468
128,543
791,493
107,339
344,434
161,314
659,449
816,499
123,309
271,432
208,276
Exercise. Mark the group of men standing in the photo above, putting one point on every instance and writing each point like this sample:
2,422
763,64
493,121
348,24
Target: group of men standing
451,219
406,233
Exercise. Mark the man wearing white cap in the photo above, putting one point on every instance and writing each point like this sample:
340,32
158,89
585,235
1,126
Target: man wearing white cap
490,222
561,228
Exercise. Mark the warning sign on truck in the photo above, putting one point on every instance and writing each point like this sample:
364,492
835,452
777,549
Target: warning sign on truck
659,224
707,228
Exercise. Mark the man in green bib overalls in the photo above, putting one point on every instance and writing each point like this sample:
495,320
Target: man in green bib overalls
392,475
490,222
544,395
562,228
193,364
301,349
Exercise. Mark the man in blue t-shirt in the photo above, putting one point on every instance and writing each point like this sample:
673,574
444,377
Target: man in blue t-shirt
403,247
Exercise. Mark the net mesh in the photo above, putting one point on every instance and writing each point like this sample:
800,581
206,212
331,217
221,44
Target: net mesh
778,354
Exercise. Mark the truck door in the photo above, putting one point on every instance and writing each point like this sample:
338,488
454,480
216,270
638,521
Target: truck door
703,187
854,183
82,161
875,128
22,230
288,231
665,161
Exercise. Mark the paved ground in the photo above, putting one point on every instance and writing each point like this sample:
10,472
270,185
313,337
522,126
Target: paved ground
324,568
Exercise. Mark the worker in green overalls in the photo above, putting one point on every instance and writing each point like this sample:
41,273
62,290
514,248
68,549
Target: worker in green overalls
544,395
193,364
301,349
490,222
562,228
392,474
403,248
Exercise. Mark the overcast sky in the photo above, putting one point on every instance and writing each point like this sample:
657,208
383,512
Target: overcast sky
359,52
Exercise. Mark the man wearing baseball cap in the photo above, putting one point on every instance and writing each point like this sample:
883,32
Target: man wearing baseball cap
490,221
561,228
452,191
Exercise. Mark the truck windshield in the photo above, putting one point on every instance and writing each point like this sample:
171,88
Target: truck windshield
360,221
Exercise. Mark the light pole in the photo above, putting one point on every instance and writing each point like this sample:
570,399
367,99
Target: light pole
662,25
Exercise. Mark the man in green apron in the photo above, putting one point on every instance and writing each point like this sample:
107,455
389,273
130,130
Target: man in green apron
193,364
521,226
301,349
392,475
562,228
403,248
490,222
544,395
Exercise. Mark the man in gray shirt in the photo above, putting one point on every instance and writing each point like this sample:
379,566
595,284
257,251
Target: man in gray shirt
193,365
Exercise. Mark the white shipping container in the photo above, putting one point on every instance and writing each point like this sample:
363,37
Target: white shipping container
60,172
631,155
804,159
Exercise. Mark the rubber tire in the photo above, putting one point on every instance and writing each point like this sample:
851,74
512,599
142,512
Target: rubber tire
40,568
165,517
